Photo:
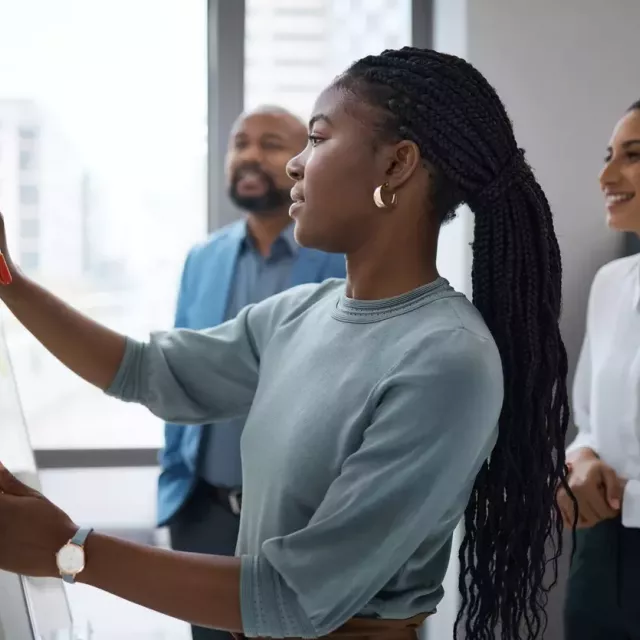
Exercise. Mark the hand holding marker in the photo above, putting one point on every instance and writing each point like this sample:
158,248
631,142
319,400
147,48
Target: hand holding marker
5,274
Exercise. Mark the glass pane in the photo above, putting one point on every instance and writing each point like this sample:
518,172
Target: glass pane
127,511
102,183
43,600
294,49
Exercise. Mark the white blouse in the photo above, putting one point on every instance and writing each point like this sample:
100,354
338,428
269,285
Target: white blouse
606,394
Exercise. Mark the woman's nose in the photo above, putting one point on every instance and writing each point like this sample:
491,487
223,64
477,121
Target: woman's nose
295,168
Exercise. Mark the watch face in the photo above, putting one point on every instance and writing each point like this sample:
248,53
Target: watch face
70,559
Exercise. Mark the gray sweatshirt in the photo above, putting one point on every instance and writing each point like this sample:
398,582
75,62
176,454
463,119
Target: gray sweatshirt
368,423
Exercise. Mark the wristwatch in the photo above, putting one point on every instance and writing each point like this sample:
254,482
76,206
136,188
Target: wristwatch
71,558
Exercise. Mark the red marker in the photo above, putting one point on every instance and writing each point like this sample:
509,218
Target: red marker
5,274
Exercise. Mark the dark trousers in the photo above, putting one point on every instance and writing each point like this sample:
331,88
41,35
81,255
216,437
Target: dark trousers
603,591
205,525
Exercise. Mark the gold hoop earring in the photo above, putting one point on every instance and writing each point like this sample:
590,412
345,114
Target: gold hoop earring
379,200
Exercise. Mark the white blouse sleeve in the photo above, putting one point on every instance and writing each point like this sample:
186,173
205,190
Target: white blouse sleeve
631,505
582,401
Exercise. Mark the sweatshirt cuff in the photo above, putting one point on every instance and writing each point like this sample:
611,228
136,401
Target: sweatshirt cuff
269,606
124,386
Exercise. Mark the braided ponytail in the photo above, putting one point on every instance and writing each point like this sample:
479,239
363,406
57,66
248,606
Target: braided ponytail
513,527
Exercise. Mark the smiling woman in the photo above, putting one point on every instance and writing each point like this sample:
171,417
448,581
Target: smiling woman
381,410
620,177
605,456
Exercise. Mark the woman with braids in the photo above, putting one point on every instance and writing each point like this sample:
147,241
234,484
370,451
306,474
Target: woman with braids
381,409
604,584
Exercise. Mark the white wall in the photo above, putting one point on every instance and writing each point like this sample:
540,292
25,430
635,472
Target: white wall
454,250
566,72
454,263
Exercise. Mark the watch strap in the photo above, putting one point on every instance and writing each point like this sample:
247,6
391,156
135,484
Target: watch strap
78,539
81,536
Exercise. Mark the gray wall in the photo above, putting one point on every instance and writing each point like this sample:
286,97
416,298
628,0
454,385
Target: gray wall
566,70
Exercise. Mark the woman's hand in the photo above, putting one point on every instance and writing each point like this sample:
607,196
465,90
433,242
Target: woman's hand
32,529
3,239
597,489
200,589
7,268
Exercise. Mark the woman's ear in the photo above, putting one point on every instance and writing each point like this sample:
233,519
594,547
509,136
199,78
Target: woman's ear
403,160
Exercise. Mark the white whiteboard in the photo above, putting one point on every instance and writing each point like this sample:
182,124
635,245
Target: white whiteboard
37,607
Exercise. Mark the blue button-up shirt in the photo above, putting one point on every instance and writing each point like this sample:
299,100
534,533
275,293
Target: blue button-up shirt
256,277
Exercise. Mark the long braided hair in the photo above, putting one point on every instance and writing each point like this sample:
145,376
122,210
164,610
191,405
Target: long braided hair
513,527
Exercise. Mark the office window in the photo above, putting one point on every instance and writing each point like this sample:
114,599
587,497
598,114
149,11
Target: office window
305,65
30,262
29,228
314,43
118,121
315,12
27,133
29,194
26,160
298,36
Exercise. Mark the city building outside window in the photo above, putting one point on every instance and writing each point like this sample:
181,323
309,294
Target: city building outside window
103,174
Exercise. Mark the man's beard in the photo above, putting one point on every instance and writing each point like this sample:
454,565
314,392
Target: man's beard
272,201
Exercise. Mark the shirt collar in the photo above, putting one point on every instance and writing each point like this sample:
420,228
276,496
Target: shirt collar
286,237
